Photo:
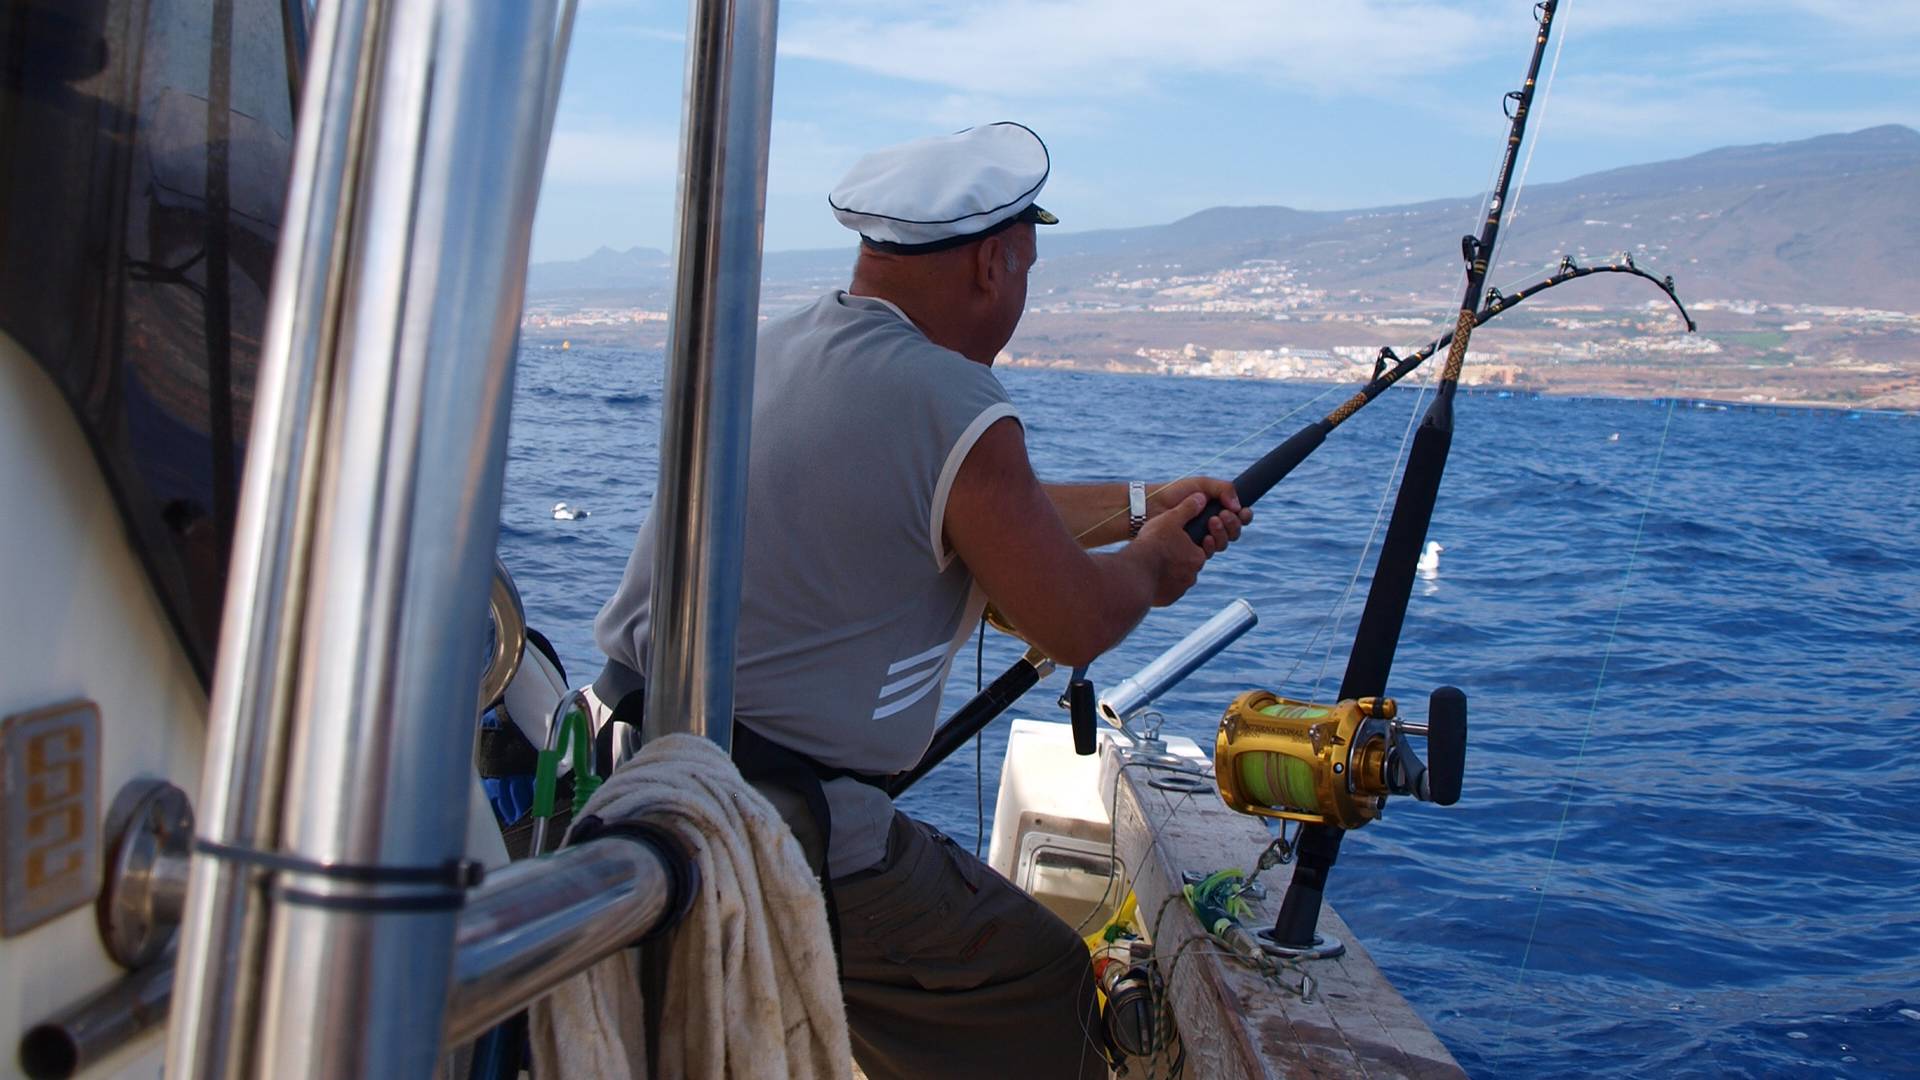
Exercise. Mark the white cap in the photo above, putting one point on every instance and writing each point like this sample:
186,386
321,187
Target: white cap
941,192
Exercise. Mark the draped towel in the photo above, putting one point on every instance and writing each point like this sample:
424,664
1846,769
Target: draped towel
753,991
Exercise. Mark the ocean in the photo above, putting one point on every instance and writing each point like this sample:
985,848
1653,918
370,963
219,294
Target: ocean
1688,843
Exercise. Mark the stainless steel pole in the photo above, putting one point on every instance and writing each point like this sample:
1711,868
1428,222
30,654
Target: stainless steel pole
1188,655
422,295
709,388
215,1005
543,920
530,926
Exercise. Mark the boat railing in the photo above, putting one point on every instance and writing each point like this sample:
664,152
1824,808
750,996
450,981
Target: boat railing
332,926
522,931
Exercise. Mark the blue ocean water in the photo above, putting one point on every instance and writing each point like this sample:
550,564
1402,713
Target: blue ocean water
1689,843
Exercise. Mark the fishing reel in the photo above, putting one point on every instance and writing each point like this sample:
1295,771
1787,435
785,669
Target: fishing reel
1336,764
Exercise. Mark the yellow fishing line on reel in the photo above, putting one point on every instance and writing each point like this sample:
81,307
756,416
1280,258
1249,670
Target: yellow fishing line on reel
1336,764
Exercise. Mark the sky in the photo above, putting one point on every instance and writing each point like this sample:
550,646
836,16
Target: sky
1155,109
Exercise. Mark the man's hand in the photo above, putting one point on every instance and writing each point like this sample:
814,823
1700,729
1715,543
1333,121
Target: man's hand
1173,559
1223,528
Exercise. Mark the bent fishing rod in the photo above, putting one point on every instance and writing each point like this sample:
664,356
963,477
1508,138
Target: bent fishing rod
1259,478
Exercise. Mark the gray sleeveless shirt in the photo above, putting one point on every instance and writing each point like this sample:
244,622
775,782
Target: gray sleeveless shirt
852,608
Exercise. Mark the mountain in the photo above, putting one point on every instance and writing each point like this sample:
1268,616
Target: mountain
634,268
1828,220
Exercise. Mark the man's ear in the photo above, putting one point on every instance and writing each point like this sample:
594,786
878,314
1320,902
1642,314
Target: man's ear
989,263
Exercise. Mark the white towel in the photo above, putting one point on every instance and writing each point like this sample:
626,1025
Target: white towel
753,989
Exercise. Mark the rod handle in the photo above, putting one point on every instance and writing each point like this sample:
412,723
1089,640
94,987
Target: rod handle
1259,478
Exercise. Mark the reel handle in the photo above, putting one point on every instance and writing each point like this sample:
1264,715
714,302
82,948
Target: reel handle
1080,707
1446,744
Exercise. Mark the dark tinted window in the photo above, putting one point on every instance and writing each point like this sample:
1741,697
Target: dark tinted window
144,148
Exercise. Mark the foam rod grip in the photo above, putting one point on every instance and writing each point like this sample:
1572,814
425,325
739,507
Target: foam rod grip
1446,744
1263,474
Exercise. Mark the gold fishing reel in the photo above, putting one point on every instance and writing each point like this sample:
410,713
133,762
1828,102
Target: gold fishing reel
1336,764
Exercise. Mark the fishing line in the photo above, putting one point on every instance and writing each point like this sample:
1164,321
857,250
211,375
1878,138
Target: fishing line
1593,707
979,754
1379,515
1113,858
1338,608
1510,211
1113,834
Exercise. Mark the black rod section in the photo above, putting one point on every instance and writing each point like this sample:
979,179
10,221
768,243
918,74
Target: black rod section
975,715
1379,632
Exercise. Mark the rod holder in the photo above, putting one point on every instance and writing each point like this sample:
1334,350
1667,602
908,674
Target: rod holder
1131,696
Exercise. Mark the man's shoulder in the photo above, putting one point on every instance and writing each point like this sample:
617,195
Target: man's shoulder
874,340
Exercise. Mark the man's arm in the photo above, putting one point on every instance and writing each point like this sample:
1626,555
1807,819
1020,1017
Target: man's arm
1071,603
1096,514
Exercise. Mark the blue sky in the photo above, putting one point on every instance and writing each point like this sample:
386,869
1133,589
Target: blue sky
1154,109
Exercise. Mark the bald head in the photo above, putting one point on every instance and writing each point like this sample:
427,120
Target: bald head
967,298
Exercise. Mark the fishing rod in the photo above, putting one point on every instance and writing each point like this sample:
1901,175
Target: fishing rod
1259,478
1378,635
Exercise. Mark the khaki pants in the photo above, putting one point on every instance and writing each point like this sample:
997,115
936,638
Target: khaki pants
951,971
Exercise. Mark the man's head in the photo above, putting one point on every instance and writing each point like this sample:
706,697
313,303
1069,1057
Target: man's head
946,230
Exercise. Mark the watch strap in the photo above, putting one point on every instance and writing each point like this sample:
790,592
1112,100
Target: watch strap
1136,507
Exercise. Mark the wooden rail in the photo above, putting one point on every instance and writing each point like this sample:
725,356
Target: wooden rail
1234,1023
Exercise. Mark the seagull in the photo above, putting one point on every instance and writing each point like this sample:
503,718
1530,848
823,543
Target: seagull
563,512
1429,564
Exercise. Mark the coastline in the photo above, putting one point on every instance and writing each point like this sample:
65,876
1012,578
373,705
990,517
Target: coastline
1705,402
651,336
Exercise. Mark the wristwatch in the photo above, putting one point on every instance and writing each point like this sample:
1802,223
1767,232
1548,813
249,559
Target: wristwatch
1136,507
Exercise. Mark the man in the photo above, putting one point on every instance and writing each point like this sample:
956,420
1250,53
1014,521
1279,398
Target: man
889,498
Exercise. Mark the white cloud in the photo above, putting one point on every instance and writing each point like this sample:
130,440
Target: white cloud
1628,108
607,154
806,158
1099,48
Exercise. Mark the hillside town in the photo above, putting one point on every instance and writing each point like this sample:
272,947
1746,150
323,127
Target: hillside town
1264,319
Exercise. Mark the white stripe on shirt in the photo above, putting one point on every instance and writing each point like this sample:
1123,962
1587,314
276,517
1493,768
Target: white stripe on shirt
933,679
917,659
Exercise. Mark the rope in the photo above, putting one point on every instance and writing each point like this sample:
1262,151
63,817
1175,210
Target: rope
1593,708
1096,1039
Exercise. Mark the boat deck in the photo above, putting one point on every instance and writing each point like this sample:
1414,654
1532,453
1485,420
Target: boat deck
1233,1022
